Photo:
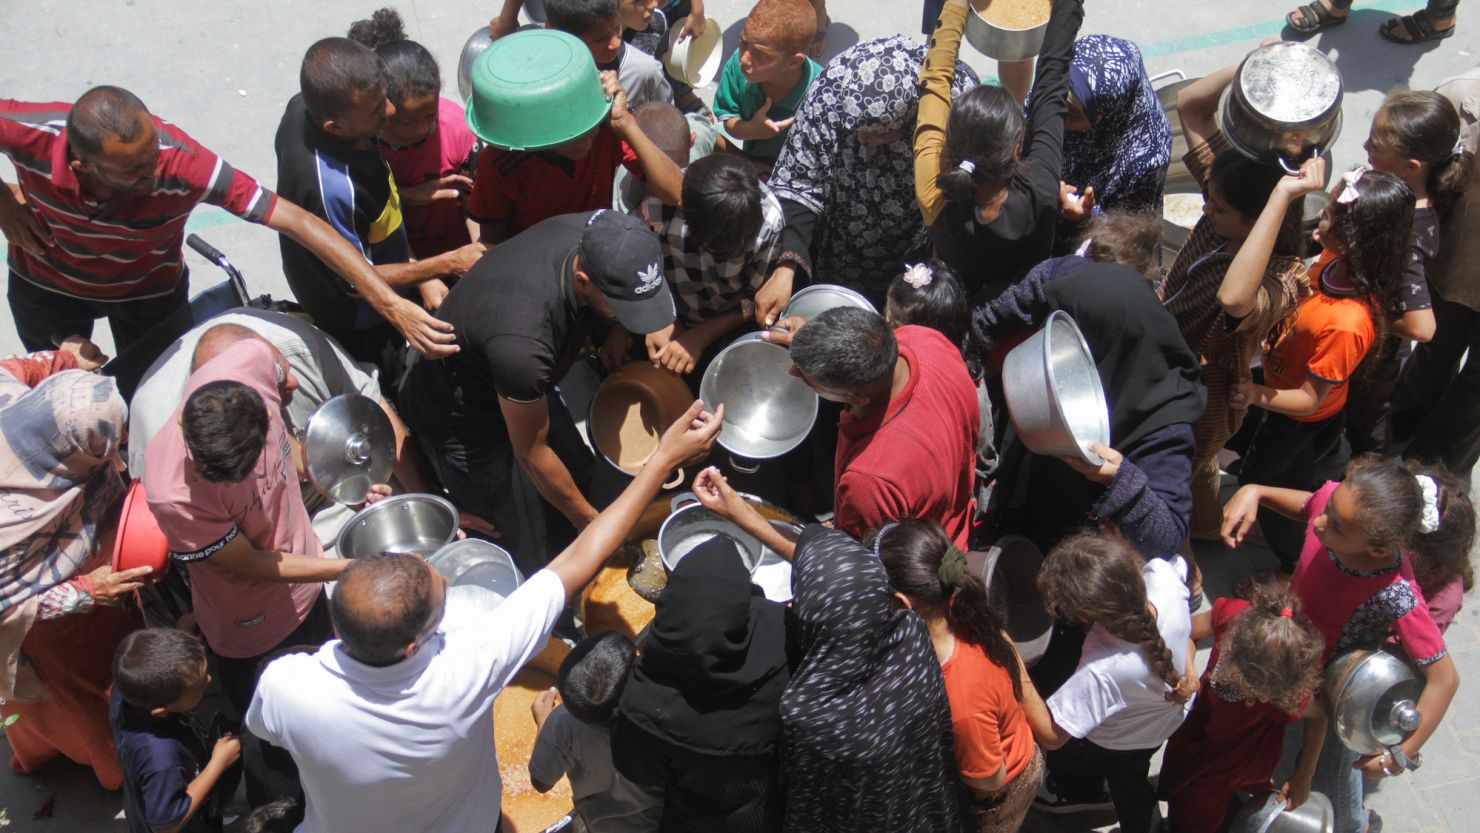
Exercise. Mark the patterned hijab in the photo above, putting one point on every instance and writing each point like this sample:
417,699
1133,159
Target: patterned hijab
1125,153
864,195
866,727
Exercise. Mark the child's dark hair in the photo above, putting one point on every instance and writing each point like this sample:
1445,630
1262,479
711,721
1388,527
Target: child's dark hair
1271,652
722,205
1423,125
924,566
1376,229
939,303
577,16
1441,556
1131,238
983,134
1389,498
153,666
1246,185
1091,578
593,675
281,816
669,130
411,71
225,427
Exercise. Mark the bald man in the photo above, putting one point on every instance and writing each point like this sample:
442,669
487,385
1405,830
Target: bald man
390,723
320,370
97,218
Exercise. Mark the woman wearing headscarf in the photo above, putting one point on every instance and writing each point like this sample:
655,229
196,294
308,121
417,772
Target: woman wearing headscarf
700,715
846,175
60,433
1117,139
867,741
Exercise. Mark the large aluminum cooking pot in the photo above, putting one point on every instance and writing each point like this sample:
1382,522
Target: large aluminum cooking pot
404,524
476,43
630,412
1054,395
820,297
989,30
768,411
1284,105
691,526
479,571
1009,569
1374,697
1268,815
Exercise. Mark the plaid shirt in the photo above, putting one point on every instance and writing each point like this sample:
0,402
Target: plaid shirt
703,286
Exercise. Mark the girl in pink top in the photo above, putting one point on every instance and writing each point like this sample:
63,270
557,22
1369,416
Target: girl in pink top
1356,584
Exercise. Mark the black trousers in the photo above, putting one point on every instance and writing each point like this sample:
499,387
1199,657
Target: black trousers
1436,404
270,771
1283,453
1369,404
1079,766
43,318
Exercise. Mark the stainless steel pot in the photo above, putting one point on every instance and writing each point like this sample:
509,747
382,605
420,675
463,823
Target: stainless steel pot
348,446
1284,105
812,300
476,43
474,562
1374,697
691,526
1268,815
1054,395
768,411
403,524
1009,569
1000,42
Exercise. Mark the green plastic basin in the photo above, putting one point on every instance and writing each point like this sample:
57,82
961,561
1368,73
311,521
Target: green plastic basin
535,89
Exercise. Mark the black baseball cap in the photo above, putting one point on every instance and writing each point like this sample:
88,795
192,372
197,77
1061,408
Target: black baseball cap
621,255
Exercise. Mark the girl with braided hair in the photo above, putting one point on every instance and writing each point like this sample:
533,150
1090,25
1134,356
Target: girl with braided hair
1263,676
1135,678
995,711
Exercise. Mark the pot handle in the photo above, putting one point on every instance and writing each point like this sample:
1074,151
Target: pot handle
750,469
681,499
676,482
1284,163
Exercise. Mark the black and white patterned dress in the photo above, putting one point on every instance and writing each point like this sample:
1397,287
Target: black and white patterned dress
866,726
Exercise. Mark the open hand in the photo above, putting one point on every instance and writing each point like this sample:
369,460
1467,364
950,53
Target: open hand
717,495
774,295
690,437
109,587
450,187
761,125
478,524
1074,205
427,334
1239,515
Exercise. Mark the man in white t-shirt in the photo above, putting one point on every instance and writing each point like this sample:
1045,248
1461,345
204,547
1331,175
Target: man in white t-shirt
391,724
320,367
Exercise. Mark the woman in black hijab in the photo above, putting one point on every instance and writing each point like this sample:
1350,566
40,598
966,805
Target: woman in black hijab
1153,386
866,740
700,715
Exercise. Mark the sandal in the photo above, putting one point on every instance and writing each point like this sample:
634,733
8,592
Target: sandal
1418,26
1314,17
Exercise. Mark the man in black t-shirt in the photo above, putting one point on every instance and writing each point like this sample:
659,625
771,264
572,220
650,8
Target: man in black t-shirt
522,316
330,163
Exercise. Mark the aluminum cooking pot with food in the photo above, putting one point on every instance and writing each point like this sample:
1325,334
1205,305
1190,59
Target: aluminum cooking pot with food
1008,30
1374,699
1284,105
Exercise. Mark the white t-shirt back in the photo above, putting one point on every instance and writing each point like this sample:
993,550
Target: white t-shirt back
1114,699
407,746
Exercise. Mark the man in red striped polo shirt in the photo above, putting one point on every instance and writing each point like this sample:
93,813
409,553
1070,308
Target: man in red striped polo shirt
96,225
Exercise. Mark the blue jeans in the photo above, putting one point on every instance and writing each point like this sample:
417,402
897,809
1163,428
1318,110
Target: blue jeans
1334,776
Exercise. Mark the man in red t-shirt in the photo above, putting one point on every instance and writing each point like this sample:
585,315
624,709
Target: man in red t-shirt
96,223
907,438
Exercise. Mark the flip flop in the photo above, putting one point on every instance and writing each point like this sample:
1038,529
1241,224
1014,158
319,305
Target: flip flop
1317,12
1418,26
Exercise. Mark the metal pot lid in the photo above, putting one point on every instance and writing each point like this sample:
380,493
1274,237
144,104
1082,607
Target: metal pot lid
1289,84
348,446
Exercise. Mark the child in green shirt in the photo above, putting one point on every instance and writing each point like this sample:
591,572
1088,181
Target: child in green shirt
764,81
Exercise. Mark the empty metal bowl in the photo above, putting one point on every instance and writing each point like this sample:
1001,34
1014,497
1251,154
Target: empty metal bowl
1009,569
768,411
476,43
472,562
817,298
1270,816
692,526
1054,395
402,525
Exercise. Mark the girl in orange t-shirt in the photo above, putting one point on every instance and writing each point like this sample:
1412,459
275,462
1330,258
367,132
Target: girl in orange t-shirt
995,711
1356,287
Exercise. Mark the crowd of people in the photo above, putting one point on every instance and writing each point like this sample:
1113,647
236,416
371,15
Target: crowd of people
1321,360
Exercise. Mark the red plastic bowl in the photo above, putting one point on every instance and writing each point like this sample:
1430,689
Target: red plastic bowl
140,542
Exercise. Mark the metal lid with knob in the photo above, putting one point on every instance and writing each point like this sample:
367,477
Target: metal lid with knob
1374,697
348,446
